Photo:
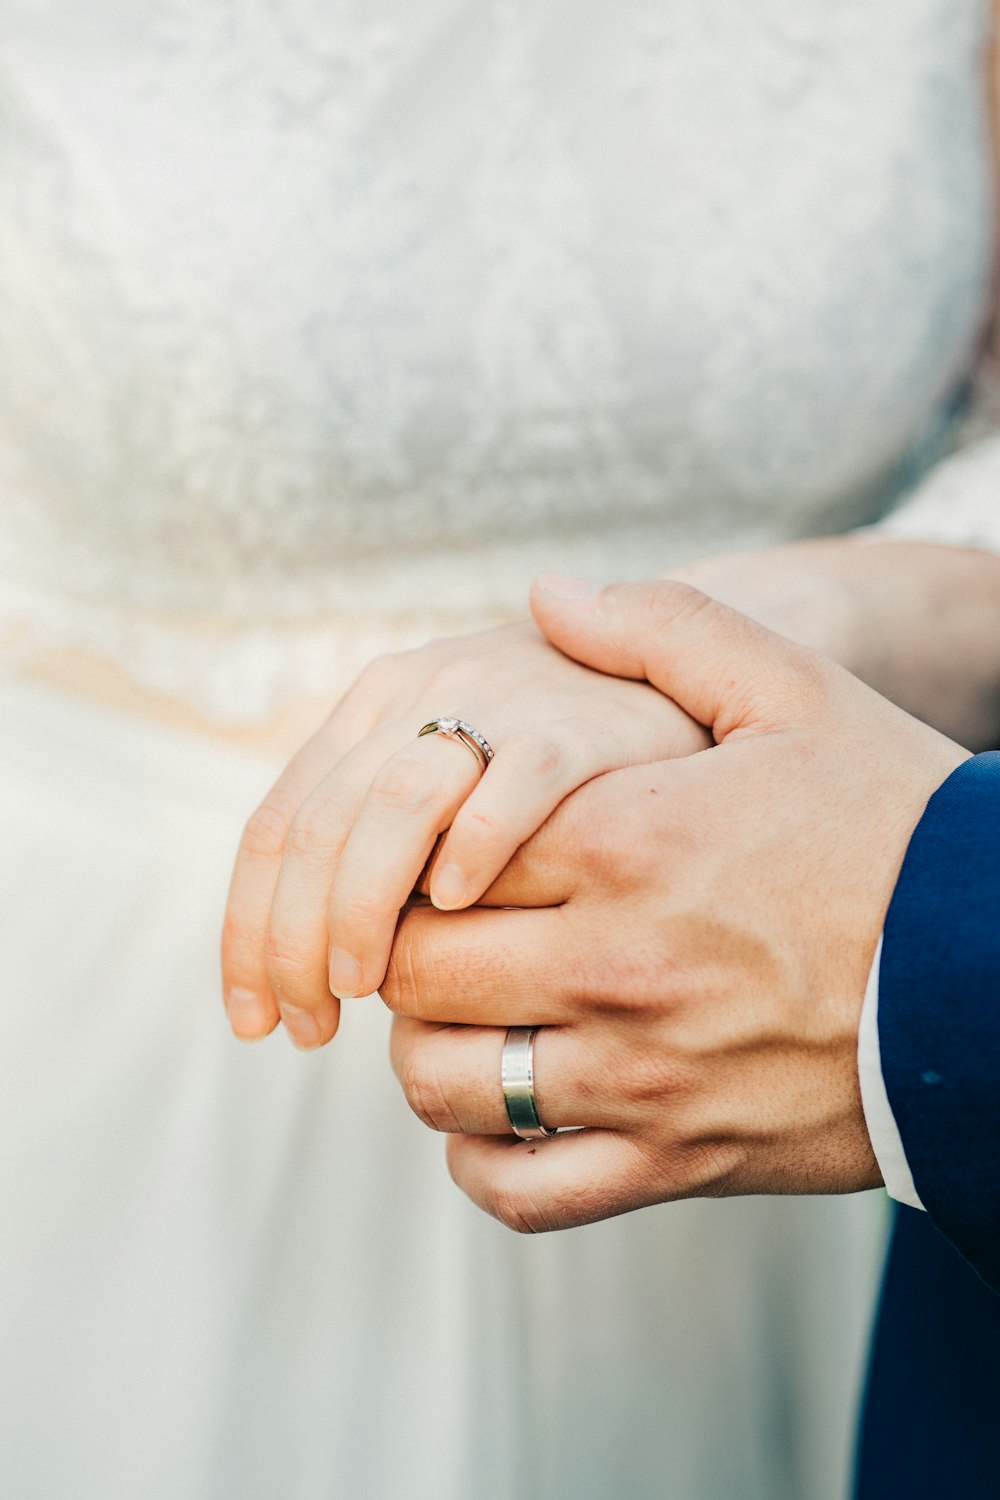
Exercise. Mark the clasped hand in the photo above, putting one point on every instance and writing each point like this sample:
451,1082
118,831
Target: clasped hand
332,855
693,935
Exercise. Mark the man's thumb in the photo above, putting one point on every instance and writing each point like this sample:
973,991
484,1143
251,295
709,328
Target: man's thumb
722,668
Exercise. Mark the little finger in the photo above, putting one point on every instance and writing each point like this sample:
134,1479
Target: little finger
251,1004
535,1186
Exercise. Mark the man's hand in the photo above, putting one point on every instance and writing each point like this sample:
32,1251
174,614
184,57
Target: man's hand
694,937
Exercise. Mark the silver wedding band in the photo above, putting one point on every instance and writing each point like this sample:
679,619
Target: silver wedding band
517,1078
458,729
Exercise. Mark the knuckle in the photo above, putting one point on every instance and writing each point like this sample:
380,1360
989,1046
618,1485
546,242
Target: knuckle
290,964
641,988
425,1093
670,601
302,839
399,987
402,786
241,943
421,977
317,824
619,1003
363,704
240,950
380,673
603,849
265,831
314,828
650,1076
391,993
397,997
534,751
625,988
357,916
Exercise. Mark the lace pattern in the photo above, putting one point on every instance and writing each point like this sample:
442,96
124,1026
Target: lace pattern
958,504
314,311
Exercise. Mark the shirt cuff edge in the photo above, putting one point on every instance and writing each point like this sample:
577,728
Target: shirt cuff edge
883,1132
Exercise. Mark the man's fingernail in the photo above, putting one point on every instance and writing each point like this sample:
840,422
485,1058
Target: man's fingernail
345,975
449,888
301,1025
247,1013
564,586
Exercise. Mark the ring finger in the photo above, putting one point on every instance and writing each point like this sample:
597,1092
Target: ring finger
451,1076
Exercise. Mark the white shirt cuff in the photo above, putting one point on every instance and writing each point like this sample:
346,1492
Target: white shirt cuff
882,1128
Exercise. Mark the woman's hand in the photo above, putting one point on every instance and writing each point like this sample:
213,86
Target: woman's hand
336,849
693,938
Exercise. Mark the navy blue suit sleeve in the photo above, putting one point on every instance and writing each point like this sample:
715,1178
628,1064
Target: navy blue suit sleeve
939,1011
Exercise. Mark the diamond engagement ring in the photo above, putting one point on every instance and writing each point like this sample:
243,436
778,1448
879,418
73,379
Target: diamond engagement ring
517,1079
458,729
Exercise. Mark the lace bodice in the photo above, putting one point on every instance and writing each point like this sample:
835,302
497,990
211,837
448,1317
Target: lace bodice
320,317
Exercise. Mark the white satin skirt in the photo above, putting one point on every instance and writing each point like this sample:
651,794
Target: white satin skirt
231,1271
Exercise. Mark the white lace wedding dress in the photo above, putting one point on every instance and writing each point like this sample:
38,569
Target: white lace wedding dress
323,325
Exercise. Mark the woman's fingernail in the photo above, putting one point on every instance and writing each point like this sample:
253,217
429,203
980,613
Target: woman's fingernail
301,1025
345,975
564,586
247,1013
449,888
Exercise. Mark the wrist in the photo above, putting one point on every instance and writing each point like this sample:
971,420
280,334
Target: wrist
935,614
919,622
804,590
